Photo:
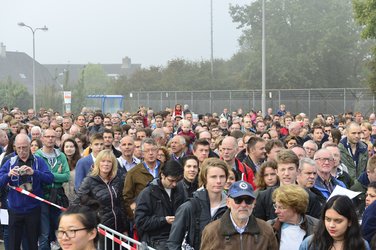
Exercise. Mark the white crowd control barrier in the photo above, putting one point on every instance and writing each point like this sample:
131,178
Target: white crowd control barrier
117,238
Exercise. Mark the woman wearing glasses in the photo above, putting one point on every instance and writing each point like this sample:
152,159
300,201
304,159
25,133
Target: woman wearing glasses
292,225
78,228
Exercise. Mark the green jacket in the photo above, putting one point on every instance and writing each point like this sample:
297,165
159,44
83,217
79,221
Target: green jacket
61,175
354,170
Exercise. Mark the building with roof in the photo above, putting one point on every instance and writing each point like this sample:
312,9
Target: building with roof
18,66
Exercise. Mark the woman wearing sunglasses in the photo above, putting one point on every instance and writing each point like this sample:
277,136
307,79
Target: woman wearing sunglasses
292,225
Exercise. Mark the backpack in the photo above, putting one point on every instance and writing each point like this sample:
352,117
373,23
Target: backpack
189,242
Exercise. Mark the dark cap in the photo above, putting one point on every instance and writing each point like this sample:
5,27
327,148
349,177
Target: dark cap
241,188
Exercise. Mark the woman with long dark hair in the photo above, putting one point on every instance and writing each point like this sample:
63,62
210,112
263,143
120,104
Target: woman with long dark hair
71,150
339,228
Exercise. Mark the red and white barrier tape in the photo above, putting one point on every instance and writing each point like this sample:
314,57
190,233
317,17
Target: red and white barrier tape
25,192
115,239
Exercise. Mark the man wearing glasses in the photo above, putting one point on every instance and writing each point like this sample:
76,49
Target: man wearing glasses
238,228
325,181
28,172
140,175
58,165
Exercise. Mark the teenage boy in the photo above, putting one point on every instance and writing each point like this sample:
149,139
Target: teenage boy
85,164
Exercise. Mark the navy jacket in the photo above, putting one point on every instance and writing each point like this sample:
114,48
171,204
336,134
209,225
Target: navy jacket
83,167
20,203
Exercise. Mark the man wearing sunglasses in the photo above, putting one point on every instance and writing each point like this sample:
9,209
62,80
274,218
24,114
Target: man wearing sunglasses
238,228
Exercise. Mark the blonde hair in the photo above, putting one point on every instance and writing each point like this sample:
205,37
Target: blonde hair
211,163
292,196
104,155
371,164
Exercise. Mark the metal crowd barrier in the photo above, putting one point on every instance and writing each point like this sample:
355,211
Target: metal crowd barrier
124,241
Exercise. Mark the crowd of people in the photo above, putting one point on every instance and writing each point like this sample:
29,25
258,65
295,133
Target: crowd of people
179,180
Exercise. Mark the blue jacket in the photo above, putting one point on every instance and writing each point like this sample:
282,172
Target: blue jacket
369,222
20,203
307,241
83,167
325,192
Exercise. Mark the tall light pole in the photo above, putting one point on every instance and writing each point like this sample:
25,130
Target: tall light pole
263,95
33,31
211,41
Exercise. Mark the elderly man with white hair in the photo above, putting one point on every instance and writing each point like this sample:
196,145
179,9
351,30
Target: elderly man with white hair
36,132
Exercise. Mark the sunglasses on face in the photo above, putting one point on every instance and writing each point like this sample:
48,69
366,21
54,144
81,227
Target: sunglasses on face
248,200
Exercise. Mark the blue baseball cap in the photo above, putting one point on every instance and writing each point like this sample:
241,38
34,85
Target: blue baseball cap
241,188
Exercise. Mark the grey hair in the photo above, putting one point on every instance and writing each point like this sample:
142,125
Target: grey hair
306,160
149,141
314,143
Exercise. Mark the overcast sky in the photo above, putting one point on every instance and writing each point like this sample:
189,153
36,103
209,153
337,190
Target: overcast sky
150,32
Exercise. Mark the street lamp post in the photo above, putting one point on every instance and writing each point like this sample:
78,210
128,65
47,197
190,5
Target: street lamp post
263,95
33,31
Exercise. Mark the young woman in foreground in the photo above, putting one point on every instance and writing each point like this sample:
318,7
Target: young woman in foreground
339,228
78,228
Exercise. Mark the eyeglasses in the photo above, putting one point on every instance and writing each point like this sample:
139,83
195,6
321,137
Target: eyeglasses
68,233
151,150
309,149
278,207
324,159
49,136
248,200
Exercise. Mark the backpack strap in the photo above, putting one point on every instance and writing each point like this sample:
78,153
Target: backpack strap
196,213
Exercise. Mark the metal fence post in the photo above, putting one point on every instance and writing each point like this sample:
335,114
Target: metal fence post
138,99
309,103
210,101
344,100
161,100
230,100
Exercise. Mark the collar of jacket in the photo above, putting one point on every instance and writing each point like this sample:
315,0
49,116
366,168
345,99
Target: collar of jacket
228,229
360,146
277,226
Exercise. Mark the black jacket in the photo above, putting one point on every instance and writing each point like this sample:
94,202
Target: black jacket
189,187
109,195
153,205
185,220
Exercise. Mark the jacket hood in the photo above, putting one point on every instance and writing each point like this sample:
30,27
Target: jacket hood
42,154
202,194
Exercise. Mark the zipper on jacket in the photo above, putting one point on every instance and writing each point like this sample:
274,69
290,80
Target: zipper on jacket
112,205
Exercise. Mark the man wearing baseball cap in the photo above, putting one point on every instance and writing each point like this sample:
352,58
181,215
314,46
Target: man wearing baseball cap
238,228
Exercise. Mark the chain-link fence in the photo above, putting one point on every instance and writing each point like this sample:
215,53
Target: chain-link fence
309,101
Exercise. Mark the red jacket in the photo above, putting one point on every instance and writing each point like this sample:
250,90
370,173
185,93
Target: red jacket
246,173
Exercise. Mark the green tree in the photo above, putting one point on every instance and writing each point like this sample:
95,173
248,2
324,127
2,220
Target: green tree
365,15
308,43
96,79
14,94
